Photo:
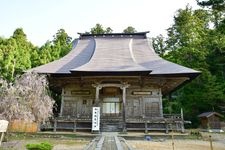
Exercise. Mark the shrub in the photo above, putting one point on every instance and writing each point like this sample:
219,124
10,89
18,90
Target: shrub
40,146
195,133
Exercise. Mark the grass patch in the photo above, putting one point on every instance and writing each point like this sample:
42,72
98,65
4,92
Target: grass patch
39,146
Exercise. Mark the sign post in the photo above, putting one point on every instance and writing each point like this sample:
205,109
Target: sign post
95,119
3,129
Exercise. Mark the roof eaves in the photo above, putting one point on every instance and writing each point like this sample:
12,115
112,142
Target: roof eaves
109,73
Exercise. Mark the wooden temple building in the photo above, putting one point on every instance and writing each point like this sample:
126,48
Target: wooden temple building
121,74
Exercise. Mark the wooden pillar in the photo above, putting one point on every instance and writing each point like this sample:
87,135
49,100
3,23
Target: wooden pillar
1,139
62,103
182,120
146,127
55,125
124,87
97,95
97,87
167,128
160,103
124,109
75,126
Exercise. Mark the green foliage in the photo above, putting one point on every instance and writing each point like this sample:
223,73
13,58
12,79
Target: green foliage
171,107
129,29
216,8
40,146
62,42
192,43
23,51
17,54
159,45
99,29
195,133
7,61
108,30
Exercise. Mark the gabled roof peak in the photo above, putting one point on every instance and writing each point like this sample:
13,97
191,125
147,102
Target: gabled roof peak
114,35
208,114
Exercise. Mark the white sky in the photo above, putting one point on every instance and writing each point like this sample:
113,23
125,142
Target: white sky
41,19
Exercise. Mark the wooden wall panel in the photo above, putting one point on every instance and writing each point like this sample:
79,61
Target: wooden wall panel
136,105
152,107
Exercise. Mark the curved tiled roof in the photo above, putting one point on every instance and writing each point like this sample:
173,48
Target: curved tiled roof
113,53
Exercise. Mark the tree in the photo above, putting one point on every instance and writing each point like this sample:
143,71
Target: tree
46,55
62,42
159,45
23,51
108,30
99,29
34,57
187,37
26,99
129,29
217,8
190,44
7,61
55,49
16,55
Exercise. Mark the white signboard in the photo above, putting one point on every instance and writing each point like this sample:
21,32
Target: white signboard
95,118
3,125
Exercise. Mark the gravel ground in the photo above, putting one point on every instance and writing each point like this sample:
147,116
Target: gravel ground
178,145
58,144
160,144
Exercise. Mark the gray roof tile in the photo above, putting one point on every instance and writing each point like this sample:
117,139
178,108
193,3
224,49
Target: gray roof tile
113,54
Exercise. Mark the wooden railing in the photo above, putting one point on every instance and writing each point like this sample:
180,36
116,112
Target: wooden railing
172,116
136,123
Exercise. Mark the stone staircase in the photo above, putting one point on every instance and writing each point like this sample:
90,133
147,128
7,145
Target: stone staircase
111,127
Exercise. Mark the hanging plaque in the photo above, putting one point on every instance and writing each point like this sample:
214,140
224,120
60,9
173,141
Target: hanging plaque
142,92
80,92
3,125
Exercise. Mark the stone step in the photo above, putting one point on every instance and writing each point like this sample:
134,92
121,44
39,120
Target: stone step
110,128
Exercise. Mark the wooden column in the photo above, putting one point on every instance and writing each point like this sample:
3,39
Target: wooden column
123,87
55,125
160,103
97,87
62,103
167,128
1,139
75,126
97,95
146,127
124,109
182,120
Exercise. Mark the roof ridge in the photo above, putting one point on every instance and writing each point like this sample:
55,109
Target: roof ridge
141,34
